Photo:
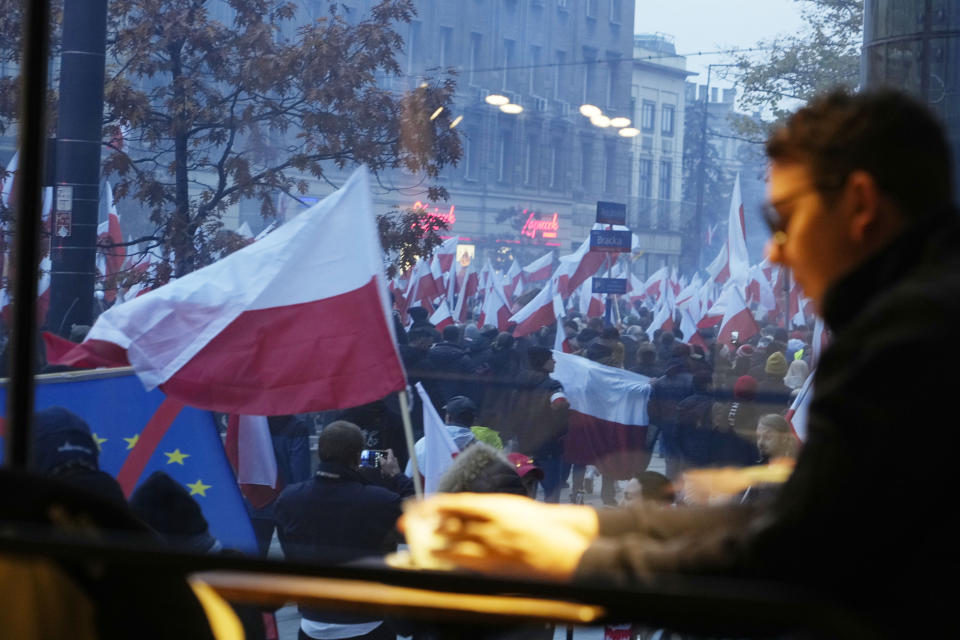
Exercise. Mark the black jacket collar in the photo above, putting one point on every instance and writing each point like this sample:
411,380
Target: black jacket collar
881,271
336,471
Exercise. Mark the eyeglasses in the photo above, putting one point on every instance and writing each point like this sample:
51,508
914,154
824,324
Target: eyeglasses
775,222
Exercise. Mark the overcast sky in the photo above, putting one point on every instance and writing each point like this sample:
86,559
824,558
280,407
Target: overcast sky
708,25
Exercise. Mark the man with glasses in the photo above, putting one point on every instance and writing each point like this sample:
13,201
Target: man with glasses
862,211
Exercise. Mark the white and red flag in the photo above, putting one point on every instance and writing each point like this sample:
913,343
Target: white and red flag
560,343
496,308
591,304
608,415
576,267
513,281
249,448
446,253
737,317
439,449
799,411
540,269
468,289
441,316
539,312
109,235
298,321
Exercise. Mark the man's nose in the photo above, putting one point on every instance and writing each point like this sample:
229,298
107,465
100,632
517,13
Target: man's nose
774,251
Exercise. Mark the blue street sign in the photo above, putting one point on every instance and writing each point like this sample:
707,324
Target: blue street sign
610,241
609,285
611,213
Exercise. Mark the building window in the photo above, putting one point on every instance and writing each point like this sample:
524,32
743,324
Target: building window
474,58
589,73
647,115
446,41
530,162
586,159
645,187
504,153
562,4
559,60
592,8
414,46
469,159
610,168
611,82
615,8
534,71
509,61
666,119
666,170
556,165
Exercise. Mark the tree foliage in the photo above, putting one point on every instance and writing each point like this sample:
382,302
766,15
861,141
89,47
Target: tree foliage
213,103
797,66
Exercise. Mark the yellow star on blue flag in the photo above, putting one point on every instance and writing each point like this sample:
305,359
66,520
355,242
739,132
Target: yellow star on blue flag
176,456
132,441
198,488
98,440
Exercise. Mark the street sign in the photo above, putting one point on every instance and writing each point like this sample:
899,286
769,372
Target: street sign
610,241
611,213
609,285
63,225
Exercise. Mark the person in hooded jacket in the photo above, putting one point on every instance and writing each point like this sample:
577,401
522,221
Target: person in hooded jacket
446,369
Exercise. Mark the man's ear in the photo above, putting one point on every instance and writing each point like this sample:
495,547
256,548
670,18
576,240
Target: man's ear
863,205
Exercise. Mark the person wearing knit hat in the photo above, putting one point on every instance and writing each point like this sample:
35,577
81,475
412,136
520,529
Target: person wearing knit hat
776,364
773,396
166,506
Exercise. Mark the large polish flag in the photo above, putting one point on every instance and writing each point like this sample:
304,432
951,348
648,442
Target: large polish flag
513,280
608,415
446,253
799,413
539,269
296,322
469,288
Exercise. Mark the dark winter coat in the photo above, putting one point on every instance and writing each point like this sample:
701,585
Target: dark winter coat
537,417
446,372
334,518
846,524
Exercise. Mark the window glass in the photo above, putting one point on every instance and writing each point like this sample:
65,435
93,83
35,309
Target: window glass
543,225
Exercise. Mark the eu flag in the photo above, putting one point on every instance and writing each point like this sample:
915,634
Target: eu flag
139,432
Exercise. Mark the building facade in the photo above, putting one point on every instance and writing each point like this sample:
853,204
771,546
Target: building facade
658,109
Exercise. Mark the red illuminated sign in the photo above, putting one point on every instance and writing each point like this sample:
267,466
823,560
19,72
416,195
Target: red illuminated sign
546,227
446,216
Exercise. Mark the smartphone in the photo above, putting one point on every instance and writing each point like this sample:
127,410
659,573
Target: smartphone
372,457
734,337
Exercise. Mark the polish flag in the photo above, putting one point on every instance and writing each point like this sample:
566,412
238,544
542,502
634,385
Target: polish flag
656,283
718,270
539,312
820,341
634,289
495,309
296,322
591,304
446,253
739,262
109,233
608,415
575,268
560,343
539,270
736,316
469,288
662,317
441,316
422,288
249,448
759,291
439,449
513,285
799,412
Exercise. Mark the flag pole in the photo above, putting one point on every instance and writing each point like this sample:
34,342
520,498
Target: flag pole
408,432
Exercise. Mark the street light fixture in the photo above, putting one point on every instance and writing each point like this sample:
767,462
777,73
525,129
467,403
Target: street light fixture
601,121
497,100
590,111
620,122
511,108
629,132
